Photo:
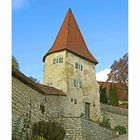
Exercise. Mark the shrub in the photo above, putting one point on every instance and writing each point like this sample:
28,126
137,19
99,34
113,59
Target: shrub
120,129
113,97
105,122
82,115
103,96
48,130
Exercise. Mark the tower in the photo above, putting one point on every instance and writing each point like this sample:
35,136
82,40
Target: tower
70,66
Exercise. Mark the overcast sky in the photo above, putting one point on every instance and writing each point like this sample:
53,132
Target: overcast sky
36,23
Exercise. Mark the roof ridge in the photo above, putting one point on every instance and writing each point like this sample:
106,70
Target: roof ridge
68,26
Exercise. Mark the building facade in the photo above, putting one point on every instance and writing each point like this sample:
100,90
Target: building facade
70,66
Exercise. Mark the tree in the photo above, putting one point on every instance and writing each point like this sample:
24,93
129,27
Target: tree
15,64
113,97
119,71
103,96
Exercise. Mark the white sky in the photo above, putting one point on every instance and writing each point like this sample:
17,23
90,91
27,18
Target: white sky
102,75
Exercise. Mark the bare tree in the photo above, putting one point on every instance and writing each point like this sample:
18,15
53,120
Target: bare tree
119,71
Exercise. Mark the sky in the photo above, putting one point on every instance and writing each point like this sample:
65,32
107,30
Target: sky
36,23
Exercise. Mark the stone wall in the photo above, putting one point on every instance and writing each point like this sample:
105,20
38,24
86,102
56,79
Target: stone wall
26,100
117,116
117,119
114,109
89,90
81,129
55,73
93,131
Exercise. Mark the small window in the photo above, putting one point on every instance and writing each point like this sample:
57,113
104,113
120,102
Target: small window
72,100
75,83
76,65
49,84
80,85
81,67
75,101
56,60
45,99
61,60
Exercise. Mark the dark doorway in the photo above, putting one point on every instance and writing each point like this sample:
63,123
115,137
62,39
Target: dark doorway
87,111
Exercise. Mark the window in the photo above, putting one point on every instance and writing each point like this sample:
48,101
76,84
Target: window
80,85
78,66
49,84
81,67
77,84
61,60
58,60
72,100
75,101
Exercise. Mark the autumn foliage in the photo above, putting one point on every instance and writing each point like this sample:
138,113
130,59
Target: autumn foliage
119,71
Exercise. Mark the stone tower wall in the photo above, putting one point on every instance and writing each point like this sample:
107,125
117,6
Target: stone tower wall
62,76
89,90
55,73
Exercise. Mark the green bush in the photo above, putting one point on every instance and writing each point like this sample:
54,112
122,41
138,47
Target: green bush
48,130
105,122
113,96
103,96
120,129
82,115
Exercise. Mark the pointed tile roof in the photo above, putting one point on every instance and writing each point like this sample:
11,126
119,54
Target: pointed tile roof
70,38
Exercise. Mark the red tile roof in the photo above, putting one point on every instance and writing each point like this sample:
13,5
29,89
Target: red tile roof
51,90
43,89
70,38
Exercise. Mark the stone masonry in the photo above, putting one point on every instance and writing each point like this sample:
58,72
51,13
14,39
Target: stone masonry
62,77
117,116
25,99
